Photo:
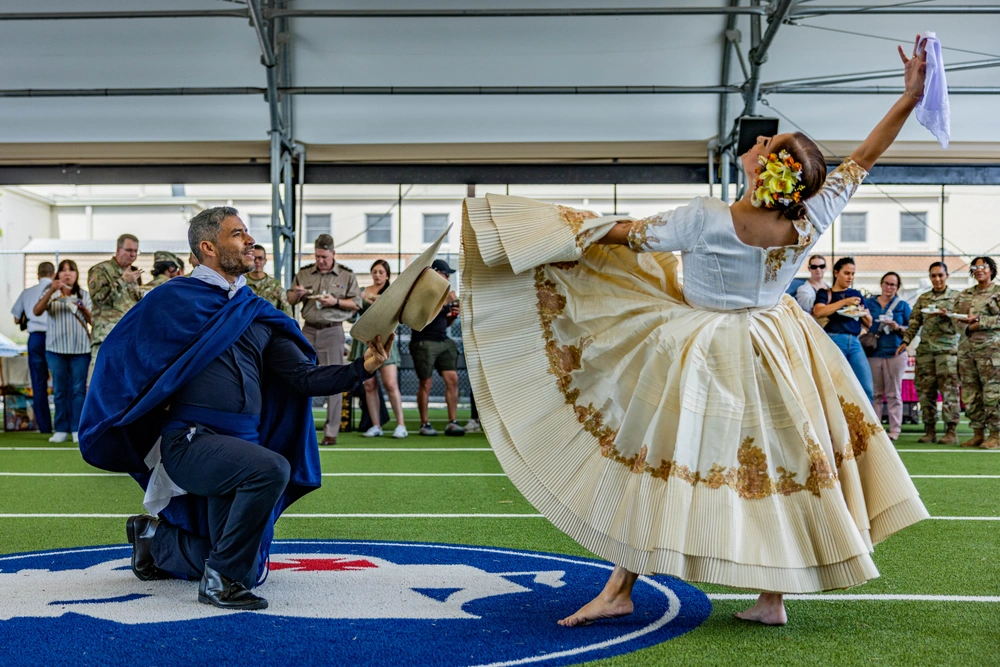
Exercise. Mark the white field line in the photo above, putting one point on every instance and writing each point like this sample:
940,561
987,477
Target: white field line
399,474
872,597
325,474
950,451
954,476
328,450
397,516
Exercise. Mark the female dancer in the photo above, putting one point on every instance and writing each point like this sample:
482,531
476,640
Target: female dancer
712,432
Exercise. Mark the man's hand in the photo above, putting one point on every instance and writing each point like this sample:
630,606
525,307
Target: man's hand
377,353
131,274
328,301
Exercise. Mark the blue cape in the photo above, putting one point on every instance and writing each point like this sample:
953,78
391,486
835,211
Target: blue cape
162,343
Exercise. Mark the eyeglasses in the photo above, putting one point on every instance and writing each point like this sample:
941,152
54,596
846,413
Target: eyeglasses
980,267
813,267
889,285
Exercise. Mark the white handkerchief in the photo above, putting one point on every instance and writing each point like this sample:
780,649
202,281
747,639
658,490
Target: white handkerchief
933,111
161,488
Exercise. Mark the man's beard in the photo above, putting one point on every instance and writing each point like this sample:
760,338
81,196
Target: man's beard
233,262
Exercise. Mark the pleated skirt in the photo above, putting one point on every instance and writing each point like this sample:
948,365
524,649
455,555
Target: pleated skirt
733,447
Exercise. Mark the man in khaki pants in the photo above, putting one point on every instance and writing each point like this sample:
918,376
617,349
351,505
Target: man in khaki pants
330,294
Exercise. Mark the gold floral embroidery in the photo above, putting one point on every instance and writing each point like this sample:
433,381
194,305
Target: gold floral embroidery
583,238
575,218
716,477
639,465
565,266
861,431
776,257
639,238
848,175
750,479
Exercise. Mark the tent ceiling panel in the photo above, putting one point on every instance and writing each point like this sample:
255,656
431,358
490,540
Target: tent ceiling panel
565,51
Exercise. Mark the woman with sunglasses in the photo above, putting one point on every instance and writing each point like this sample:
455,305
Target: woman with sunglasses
806,293
979,353
891,316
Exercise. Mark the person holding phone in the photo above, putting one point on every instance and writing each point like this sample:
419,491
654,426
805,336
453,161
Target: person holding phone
67,346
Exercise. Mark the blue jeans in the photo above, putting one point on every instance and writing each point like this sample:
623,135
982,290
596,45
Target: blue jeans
856,357
69,386
39,369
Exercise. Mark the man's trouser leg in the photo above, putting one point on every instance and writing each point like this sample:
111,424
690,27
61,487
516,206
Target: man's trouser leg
925,381
972,390
39,369
94,349
946,370
329,344
241,482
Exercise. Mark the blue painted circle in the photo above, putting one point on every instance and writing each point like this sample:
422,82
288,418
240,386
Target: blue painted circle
336,603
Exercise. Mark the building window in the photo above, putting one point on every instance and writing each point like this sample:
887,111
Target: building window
379,228
913,227
853,227
316,225
434,226
259,227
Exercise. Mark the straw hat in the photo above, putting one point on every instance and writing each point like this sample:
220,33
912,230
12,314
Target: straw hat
414,298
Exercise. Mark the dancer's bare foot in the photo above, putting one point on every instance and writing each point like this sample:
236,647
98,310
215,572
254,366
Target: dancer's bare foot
769,610
614,601
598,608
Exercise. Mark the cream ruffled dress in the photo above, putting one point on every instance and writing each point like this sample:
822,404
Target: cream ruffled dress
712,431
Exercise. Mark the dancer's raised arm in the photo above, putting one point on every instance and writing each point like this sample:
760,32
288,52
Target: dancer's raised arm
885,132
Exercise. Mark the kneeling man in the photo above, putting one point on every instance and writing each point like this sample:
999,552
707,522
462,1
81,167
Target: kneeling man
202,393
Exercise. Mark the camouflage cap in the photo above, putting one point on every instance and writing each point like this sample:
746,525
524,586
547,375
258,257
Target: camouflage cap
167,256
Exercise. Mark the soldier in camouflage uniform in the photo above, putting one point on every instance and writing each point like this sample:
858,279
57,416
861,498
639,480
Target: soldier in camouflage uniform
264,285
979,354
937,356
114,287
166,265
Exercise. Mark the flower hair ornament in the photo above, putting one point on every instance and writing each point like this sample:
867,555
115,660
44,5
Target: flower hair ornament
777,181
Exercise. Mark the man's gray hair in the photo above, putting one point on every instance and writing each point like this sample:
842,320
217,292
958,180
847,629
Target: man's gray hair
126,237
206,227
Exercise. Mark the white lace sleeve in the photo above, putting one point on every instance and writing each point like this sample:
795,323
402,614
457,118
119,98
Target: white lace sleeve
840,186
678,229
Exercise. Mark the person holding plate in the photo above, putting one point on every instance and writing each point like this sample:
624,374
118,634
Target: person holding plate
67,346
937,356
845,309
892,316
978,355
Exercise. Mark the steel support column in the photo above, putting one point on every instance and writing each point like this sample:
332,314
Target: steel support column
731,43
274,44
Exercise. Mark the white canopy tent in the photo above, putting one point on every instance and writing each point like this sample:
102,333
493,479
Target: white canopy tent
117,90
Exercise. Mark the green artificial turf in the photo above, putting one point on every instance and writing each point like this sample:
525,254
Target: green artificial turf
935,557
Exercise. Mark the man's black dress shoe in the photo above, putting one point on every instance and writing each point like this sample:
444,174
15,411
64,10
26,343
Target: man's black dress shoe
220,591
140,530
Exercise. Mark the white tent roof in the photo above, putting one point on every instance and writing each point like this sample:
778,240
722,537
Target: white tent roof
508,51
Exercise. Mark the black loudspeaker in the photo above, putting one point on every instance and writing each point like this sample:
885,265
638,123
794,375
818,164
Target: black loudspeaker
751,127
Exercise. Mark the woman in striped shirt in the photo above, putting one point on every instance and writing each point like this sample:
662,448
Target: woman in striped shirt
67,346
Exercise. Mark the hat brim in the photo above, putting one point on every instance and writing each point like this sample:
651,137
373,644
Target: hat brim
382,318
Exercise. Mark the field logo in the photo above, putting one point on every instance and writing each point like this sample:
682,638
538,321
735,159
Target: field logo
334,602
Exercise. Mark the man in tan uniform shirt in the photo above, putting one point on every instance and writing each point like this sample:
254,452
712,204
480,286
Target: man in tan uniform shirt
330,294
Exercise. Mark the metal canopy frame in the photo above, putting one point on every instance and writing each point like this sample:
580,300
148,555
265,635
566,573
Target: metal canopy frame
320,173
269,13
269,19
